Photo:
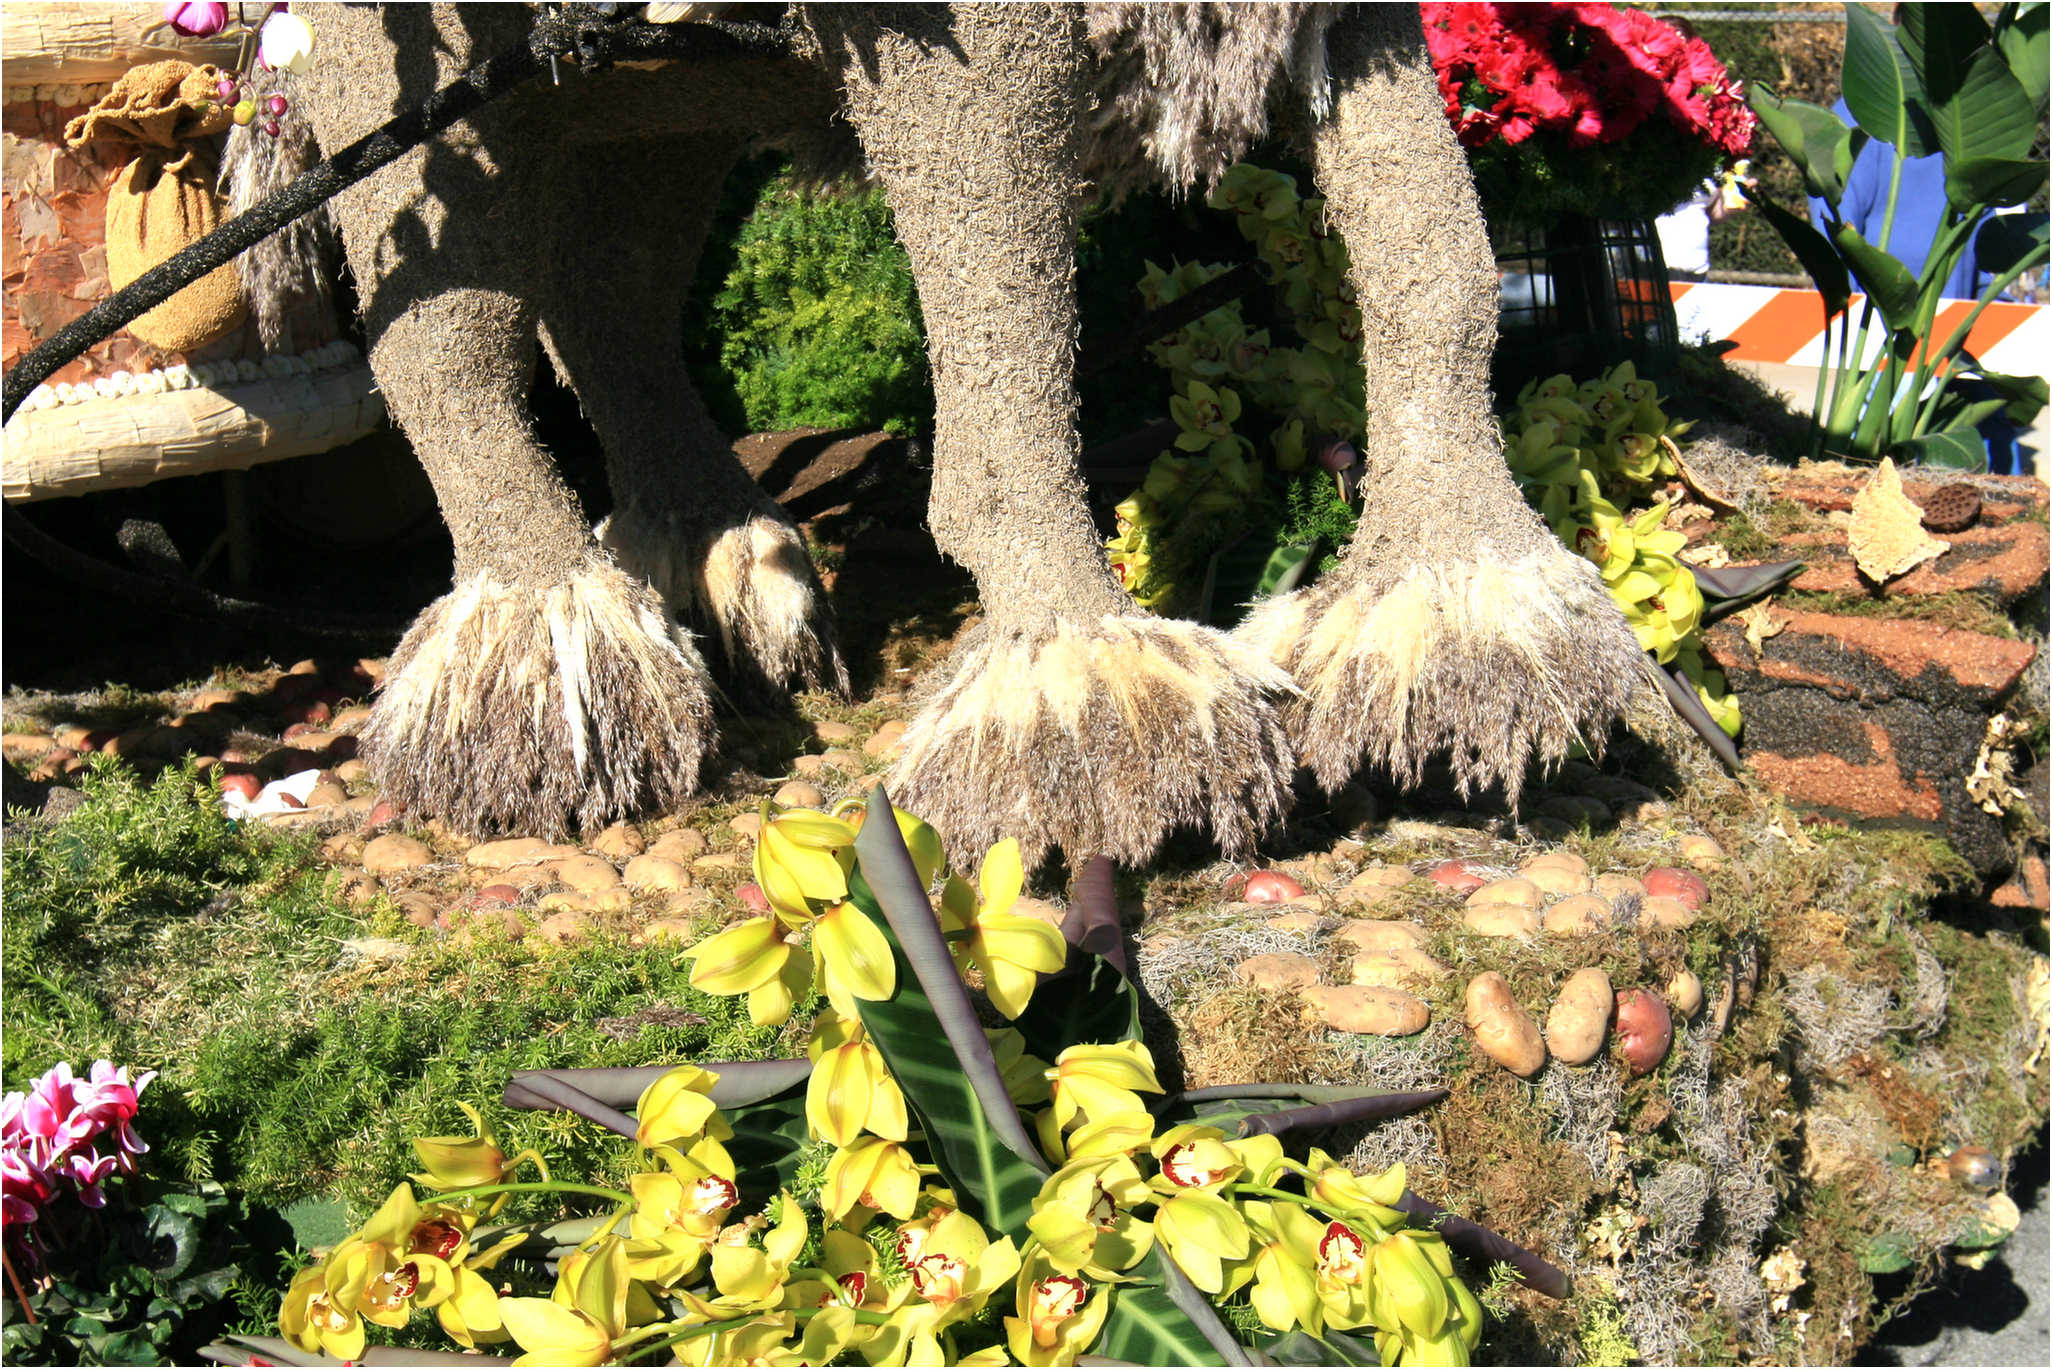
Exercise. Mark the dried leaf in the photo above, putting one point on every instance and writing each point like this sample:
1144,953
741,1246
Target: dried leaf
1693,478
1886,531
1760,625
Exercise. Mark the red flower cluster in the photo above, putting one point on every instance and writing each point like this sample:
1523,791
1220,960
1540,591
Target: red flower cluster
1590,71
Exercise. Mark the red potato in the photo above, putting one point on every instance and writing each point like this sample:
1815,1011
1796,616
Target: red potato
382,812
495,896
243,783
753,896
1456,875
1667,882
1644,1028
1270,886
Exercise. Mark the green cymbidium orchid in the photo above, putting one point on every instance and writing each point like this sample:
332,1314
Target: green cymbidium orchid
1284,1268
1711,688
1085,1217
469,1161
1060,1315
1012,951
678,1108
1205,415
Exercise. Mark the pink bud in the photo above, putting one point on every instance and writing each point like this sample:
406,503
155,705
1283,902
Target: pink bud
196,20
226,88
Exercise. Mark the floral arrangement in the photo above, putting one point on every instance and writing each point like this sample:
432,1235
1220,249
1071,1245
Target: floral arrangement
1583,108
284,42
921,1188
50,1155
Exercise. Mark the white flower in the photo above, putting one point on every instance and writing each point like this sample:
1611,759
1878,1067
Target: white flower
287,43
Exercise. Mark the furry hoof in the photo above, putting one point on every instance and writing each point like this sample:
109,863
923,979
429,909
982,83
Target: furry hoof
750,587
1098,738
511,709
1493,663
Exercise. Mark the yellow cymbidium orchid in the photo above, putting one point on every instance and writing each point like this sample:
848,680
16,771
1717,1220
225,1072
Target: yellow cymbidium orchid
802,858
1025,1075
594,1302
1060,1315
1098,1081
312,1320
1205,415
1345,1287
1201,1233
749,1278
1374,1197
1284,1268
468,1161
1084,1217
852,1092
678,1108
1199,1158
1407,1289
851,959
874,1172
1012,951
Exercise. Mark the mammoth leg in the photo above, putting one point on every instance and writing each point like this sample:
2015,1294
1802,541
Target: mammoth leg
688,518
547,685
1455,622
1072,719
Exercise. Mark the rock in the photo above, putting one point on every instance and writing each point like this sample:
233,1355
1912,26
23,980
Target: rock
682,846
1398,967
1615,887
1669,914
748,825
1579,1018
393,852
1367,936
352,771
1365,1010
353,887
327,794
832,732
1685,993
1277,971
620,842
799,794
1503,1030
25,748
504,855
1578,916
1501,919
681,930
1666,882
1515,893
1456,875
656,874
887,742
1702,852
587,874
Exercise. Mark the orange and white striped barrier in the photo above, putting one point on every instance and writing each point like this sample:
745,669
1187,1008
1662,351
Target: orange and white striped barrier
1786,327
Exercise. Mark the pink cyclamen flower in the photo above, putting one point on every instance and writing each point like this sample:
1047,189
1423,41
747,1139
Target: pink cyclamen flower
26,1184
85,1173
51,1110
196,20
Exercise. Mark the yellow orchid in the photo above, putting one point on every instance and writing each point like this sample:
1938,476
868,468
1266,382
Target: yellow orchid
468,1161
1205,415
1012,951
1344,1284
592,1306
749,1277
312,1320
678,1107
767,1340
851,959
1059,1318
552,1334
874,1172
754,957
802,858
1098,1081
1084,1217
1025,1075
1711,688
1194,1157
404,1258
470,1314
676,1215
958,1266
851,1090
1338,1189
1422,1312
1201,1233
1284,1269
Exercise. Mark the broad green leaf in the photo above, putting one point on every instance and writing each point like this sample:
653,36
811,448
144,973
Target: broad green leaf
1334,1347
1816,139
1955,414
1952,451
317,1222
1978,107
2026,395
1889,1253
2020,35
1286,569
1887,281
2006,239
1996,182
995,1184
1815,252
1253,1109
1147,1325
769,1137
1881,87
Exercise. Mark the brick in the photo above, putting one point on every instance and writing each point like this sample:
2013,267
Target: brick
2006,562
2003,497
1873,788
1874,660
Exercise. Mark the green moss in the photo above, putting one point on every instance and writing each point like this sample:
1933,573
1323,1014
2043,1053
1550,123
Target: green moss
1601,1329
1961,609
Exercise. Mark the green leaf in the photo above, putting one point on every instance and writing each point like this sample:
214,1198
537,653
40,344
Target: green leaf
317,1222
2006,239
1286,568
1984,110
1952,451
2026,395
1890,1253
2020,35
995,1182
1814,251
1955,415
1993,181
1334,1347
1816,139
1881,87
1146,1325
769,1142
1887,281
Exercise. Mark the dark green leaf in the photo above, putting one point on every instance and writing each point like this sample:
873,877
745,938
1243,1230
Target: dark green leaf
317,1222
1729,588
2006,239
173,1242
1814,251
1989,115
1952,451
1881,87
2026,395
1146,1325
1996,182
1956,415
1887,281
1334,1347
2020,35
1890,1253
1939,40
1286,568
769,1141
1816,139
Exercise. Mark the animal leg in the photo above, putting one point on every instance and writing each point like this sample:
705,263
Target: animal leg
1456,622
688,518
547,685
1071,720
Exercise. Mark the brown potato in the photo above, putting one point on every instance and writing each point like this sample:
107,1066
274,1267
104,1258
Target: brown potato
1365,1010
1580,1016
1685,992
1578,915
1504,1031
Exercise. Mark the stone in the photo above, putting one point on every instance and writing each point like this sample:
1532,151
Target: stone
1366,1010
1668,914
504,855
1398,967
1615,886
344,848
798,794
393,852
1578,916
418,908
1514,892
1367,936
683,846
887,743
1701,852
832,732
748,825
1279,970
1501,919
656,874
587,874
620,842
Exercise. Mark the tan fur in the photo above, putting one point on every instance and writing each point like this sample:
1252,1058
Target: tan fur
1096,737
1497,662
514,709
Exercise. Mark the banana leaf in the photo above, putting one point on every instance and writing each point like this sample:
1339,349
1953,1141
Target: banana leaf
1334,1347
1165,1319
741,1081
541,1089
1883,91
1478,1242
1093,998
1682,695
768,1144
1959,449
1726,589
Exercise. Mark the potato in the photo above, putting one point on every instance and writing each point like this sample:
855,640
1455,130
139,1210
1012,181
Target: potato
1501,919
1269,886
1504,1031
1671,914
1580,1016
1456,875
1685,992
1555,879
1644,1027
1578,916
1516,893
1368,935
1364,1010
1614,887
1666,882
1398,967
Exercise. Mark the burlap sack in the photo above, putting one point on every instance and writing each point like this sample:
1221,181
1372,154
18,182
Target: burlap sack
165,200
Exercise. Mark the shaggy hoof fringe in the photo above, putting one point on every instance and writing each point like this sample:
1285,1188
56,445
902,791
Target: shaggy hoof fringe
749,587
1491,663
511,710
1099,738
